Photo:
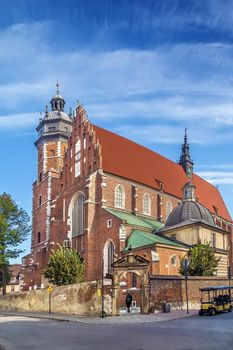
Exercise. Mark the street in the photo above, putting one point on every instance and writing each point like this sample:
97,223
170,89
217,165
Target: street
195,332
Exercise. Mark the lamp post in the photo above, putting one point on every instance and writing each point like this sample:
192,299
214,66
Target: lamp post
186,265
229,274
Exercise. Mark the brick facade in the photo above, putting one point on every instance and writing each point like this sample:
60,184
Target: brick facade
72,166
171,289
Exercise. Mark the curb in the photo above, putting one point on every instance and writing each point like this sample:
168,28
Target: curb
55,318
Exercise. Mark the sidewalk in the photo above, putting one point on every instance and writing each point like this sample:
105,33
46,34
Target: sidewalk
124,319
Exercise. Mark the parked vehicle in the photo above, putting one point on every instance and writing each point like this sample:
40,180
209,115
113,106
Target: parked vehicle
215,299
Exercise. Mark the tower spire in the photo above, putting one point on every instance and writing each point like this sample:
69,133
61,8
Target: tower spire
57,102
185,136
185,159
57,85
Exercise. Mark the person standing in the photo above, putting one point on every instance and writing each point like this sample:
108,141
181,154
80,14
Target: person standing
128,301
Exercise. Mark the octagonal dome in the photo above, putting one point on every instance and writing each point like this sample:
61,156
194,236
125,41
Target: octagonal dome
56,115
189,211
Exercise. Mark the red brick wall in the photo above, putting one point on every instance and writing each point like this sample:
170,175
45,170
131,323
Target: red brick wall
172,290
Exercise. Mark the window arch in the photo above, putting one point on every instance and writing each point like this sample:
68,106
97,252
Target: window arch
146,204
78,215
109,251
169,208
119,197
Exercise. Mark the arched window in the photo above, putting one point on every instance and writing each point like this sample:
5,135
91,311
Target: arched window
78,216
146,204
109,250
119,197
169,209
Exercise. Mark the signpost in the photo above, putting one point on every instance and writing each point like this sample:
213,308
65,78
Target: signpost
186,265
50,289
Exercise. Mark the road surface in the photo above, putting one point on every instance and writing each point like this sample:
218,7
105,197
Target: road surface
191,333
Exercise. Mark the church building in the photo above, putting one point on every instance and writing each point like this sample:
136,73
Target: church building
102,194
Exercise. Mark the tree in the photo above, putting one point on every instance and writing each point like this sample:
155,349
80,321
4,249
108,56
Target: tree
5,273
14,228
65,267
203,261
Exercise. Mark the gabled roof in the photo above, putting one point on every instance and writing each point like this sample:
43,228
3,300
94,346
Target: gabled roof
134,220
139,239
132,161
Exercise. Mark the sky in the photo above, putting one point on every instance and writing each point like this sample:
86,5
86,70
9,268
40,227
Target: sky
145,69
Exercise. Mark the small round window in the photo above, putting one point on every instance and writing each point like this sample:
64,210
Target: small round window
173,260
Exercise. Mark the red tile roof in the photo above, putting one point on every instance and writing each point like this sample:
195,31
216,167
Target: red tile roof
132,161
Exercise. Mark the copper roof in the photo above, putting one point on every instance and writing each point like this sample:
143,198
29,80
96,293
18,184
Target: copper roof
132,161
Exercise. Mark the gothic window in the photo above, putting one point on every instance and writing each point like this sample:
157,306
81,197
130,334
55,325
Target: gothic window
40,200
52,153
77,147
119,197
146,204
77,168
169,209
109,250
78,216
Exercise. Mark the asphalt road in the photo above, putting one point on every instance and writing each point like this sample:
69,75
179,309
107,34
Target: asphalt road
183,334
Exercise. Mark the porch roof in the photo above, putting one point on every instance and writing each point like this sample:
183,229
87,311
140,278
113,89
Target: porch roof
134,220
139,239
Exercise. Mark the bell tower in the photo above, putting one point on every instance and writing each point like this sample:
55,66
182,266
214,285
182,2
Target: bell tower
54,130
185,159
53,133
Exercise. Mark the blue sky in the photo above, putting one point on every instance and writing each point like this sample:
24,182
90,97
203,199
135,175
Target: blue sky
145,69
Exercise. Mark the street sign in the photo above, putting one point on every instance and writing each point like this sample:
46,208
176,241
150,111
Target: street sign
50,289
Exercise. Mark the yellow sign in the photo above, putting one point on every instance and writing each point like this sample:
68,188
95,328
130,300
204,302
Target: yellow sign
99,292
50,289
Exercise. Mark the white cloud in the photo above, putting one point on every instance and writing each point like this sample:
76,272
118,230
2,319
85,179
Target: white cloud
18,121
179,83
217,177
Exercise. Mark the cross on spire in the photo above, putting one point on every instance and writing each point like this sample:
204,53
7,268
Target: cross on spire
57,85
